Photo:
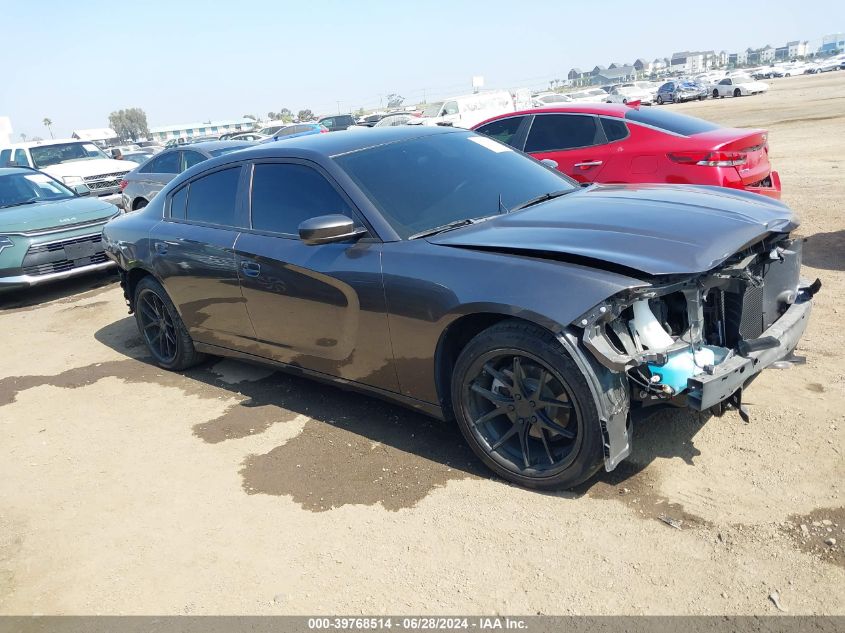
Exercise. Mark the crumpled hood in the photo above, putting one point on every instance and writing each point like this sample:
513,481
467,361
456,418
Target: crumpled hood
48,215
85,168
655,229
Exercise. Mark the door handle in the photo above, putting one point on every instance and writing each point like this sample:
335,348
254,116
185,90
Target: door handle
251,269
588,164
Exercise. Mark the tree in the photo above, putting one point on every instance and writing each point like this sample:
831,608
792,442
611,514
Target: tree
129,124
305,115
23,137
394,100
272,116
250,116
47,123
285,115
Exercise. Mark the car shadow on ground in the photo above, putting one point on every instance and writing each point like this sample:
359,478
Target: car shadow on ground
56,291
354,448
825,250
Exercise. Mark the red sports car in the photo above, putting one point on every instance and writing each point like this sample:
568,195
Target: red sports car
604,142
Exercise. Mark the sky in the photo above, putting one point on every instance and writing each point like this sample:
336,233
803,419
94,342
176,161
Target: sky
185,60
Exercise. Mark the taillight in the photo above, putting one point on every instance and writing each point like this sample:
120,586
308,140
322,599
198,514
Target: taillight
709,159
123,184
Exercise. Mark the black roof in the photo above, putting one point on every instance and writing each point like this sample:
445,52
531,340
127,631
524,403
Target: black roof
346,141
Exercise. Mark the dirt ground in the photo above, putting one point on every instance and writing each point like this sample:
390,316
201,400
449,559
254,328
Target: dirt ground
232,489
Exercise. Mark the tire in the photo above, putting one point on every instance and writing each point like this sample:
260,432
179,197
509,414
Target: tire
516,431
715,93
625,101
737,92
140,204
162,329
659,100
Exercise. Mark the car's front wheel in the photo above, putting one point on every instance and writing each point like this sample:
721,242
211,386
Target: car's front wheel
162,329
659,100
715,93
737,92
525,408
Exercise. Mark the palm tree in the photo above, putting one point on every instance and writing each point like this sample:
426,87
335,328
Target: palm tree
47,123
23,137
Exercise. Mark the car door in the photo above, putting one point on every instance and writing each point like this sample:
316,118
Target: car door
193,256
576,142
321,307
151,178
451,113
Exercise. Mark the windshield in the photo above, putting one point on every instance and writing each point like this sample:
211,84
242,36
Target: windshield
226,150
17,189
432,109
429,181
46,155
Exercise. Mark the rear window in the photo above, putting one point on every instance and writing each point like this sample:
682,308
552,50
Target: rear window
212,198
670,121
614,129
550,132
502,130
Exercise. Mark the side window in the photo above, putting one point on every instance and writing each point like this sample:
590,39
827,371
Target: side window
551,132
166,163
286,194
20,158
450,107
329,123
725,82
178,203
614,129
213,198
502,130
191,158
5,157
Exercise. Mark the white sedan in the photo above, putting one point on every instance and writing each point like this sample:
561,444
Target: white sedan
739,86
631,92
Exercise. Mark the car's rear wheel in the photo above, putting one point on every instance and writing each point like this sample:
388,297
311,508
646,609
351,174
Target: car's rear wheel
140,204
715,93
525,408
161,327
737,92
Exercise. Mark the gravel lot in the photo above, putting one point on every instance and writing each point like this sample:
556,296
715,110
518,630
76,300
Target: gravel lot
233,489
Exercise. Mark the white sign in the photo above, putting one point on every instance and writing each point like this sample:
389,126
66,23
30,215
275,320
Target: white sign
478,82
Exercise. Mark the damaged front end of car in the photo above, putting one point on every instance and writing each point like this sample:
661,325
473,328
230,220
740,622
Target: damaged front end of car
698,340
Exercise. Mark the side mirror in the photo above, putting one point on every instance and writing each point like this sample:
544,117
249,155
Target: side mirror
328,228
548,162
82,190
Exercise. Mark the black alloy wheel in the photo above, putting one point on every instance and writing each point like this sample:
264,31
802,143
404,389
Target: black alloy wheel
162,328
659,100
157,327
525,408
522,412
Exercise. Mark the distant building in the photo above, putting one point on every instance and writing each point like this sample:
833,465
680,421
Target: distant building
615,75
642,66
767,55
598,69
191,130
691,62
99,135
832,42
797,49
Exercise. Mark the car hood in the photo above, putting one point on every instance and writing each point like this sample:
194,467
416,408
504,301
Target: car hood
84,168
48,215
652,229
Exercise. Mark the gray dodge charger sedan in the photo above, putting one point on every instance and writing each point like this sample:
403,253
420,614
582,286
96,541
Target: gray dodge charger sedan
445,271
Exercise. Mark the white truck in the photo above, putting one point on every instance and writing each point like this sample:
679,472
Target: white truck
73,162
466,110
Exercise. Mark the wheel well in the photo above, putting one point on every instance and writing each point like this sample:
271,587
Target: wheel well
132,278
452,341
137,202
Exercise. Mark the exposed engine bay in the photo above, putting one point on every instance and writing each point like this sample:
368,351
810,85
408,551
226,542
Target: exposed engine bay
698,341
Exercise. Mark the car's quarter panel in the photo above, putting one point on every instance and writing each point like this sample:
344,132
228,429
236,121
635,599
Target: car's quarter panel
429,287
